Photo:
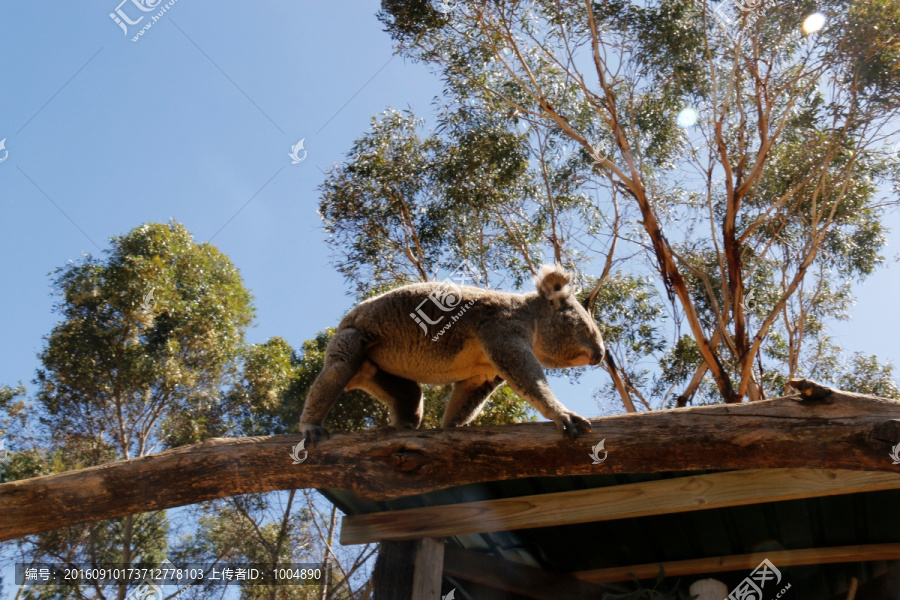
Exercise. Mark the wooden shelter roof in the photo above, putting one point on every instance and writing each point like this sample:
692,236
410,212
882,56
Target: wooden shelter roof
850,532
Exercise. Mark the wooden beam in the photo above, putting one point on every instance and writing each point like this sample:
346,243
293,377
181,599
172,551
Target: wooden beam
514,578
834,430
698,492
428,569
746,562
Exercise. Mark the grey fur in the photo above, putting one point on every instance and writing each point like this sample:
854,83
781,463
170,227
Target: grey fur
495,337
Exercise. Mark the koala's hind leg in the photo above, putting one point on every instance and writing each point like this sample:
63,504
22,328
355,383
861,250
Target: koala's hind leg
467,398
403,397
344,356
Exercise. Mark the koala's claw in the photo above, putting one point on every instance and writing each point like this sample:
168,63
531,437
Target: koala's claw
313,434
573,425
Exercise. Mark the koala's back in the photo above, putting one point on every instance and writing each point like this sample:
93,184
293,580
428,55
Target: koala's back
418,333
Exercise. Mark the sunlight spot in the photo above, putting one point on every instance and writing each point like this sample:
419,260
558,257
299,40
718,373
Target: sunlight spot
687,117
814,23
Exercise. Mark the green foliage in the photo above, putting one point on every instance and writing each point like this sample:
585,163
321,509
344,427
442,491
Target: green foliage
11,405
127,370
630,314
405,205
254,528
149,336
270,393
865,375
17,463
386,195
869,50
631,317
772,196
677,366
673,45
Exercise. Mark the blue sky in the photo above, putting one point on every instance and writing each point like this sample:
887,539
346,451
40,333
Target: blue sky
189,123
195,122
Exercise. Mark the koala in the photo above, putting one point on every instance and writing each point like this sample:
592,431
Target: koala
439,333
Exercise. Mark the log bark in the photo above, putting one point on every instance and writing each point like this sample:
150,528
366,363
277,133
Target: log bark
821,428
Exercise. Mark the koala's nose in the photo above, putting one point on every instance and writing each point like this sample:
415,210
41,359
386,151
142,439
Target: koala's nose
597,357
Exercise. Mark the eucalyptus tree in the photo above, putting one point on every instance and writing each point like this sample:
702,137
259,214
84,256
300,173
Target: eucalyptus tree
407,203
733,153
149,335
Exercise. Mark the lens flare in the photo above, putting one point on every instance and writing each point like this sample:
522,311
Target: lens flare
687,117
813,23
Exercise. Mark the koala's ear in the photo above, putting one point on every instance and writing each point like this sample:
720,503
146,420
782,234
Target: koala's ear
552,282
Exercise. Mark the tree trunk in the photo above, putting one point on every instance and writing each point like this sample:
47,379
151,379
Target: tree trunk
410,569
325,591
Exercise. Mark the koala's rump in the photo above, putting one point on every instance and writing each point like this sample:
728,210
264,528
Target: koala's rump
444,352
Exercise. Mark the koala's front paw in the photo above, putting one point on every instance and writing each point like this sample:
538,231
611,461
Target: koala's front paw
313,434
573,425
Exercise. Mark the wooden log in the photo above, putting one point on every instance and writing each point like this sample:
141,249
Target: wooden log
833,431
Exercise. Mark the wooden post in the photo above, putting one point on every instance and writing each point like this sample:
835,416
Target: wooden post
429,569
409,570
